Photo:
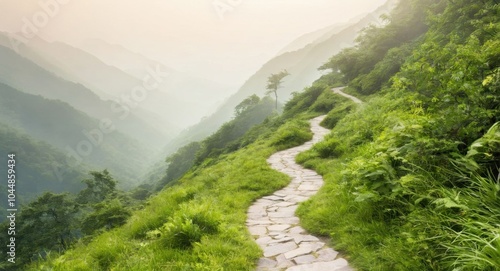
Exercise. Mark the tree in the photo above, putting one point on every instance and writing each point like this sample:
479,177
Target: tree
107,215
179,163
274,82
246,104
48,223
100,187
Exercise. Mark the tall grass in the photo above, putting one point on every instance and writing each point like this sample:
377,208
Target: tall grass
196,224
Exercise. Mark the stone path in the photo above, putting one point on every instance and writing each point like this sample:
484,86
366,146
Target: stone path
272,221
339,92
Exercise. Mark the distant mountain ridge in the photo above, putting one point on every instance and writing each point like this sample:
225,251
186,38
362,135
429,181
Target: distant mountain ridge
24,75
80,137
318,35
181,98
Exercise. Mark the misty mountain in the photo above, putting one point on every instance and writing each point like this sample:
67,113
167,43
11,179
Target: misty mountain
35,161
318,35
181,98
24,75
80,67
302,65
81,138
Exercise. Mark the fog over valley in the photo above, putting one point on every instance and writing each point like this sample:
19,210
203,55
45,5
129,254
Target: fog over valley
161,74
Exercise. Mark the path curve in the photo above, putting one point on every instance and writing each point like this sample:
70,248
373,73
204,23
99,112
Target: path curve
272,221
339,92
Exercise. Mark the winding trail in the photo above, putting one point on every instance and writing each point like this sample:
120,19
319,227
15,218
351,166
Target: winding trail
272,221
339,92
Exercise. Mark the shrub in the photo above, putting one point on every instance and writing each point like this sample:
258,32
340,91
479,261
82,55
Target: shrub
189,225
291,134
335,115
331,147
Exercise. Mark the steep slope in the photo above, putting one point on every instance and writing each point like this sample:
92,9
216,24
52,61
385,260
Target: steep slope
412,177
80,137
24,75
250,112
303,64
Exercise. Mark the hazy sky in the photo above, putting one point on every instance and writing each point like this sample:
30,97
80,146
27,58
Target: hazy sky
227,44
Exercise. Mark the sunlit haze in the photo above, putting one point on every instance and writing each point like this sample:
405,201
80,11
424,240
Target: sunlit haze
225,41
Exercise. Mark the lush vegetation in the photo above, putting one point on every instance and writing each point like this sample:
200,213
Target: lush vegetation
198,222
251,111
35,167
52,223
412,175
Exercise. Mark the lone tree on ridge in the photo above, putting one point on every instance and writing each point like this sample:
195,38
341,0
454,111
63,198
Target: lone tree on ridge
274,82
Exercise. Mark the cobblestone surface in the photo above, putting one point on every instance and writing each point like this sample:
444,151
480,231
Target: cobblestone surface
272,221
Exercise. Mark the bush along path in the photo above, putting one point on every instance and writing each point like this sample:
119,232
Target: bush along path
272,221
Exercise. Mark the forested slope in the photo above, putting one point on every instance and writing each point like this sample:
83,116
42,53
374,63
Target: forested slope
35,164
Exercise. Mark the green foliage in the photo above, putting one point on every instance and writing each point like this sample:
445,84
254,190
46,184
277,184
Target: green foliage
179,163
142,192
101,186
106,215
52,223
196,224
228,138
35,164
422,160
301,102
336,114
291,134
189,226
411,177
380,51
331,147
246,104
49,223
327,101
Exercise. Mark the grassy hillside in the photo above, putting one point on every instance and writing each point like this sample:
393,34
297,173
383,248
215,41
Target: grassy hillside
198,223
411,176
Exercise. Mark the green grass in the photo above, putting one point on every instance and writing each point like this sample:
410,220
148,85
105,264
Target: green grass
398,197
197,224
